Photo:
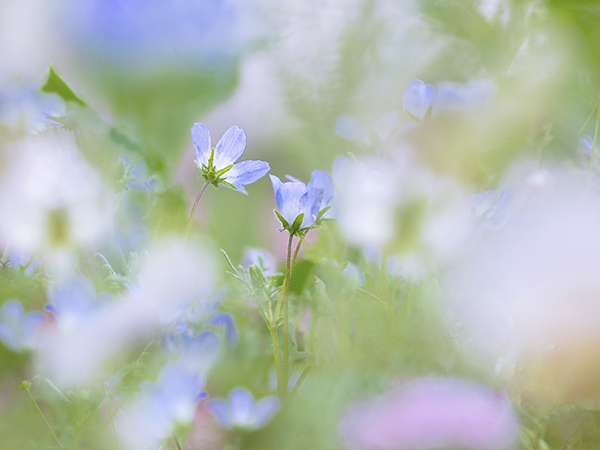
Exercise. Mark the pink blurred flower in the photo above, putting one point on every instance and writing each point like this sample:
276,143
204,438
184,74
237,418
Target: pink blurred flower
432,413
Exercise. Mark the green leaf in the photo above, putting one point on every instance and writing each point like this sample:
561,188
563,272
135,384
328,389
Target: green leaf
55,84
284,222
297,223
428,115
302,275
323,211
411,116
259,280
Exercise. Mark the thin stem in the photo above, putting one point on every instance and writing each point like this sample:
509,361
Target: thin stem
595,140
286,324
301,380
300,240
277,356
368,294
111,415
177,443
106,424
198,197
44,417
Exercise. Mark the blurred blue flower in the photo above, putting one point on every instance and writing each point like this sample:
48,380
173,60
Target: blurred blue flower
489,214
320,180
241,412
195,354
19,331
457,97
294,198
262,258
225,321
75,301
26,106
417,100
20,259
218,164
586,143
137,34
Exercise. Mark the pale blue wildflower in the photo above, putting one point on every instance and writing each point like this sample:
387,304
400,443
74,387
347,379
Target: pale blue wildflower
418,99
320,180
75,301
242,412
261,258
218,164
19,331
298,204
460,97
489,214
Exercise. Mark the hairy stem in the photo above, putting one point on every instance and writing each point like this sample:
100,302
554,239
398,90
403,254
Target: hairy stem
286,324
280,385
45,420
193,212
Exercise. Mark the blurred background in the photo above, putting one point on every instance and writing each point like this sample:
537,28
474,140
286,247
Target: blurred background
308,81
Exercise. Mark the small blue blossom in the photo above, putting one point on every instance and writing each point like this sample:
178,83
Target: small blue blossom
460,97
261,258
241,412
489,214
218,164
417,100
19,331
75,301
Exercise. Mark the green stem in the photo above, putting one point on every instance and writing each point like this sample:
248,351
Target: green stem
44,417
193,212
106,425
595,140
301,380
177,443
280,384
111,416
300,240
286,324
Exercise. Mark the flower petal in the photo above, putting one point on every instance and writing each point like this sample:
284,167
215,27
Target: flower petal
321,180
220,409
310,205
276,183
241,403
229,148
482,201
505,198
288,200
246,172
202,143
417,98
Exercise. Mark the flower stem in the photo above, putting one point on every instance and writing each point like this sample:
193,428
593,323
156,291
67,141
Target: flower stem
280,385
300,240
45,420
193,212
286,324
111,417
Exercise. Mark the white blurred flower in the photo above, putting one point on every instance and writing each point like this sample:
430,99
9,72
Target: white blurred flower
51,201
398,204
174,277
543,279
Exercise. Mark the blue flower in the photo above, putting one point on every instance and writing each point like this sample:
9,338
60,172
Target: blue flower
490,215
75,301
261,258
418,99
295,199
218,164
19,331
242,412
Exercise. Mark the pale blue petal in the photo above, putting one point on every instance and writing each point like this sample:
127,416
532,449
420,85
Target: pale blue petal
455,97
264,410
498,221
31,328
417,98
241,403
341,166
288,200
482,201
293,179
12,312
321,180
9,339
586,144
202,143
246,172
276,183
229,148
226,321
221,411
310,205
505,198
